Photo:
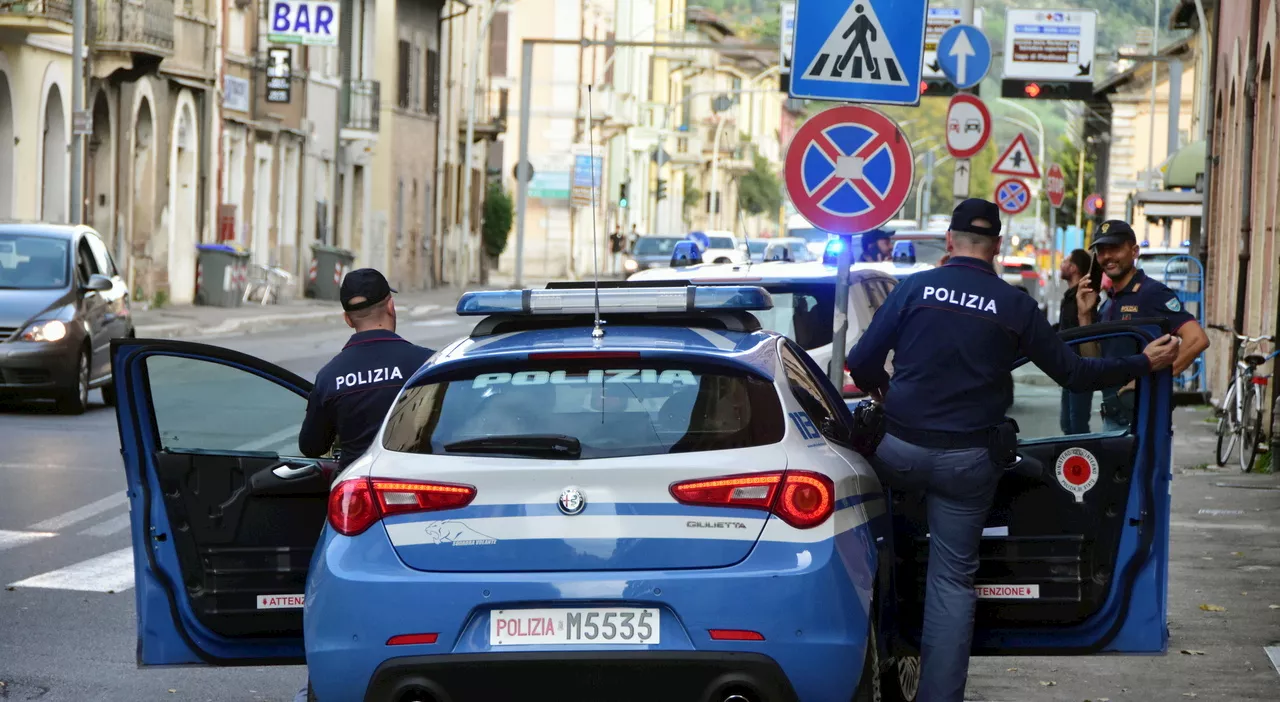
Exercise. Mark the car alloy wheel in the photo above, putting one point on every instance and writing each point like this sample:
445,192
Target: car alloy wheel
78,401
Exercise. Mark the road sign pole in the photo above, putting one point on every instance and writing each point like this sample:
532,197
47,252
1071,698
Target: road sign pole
843,261
964,175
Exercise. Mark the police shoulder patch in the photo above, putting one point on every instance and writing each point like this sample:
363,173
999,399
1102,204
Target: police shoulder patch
1173,304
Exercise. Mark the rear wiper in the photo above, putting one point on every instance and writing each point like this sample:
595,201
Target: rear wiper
550,445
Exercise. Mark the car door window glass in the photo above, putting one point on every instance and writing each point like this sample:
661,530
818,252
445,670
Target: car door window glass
1043,409
807,388
202,405
100,256
85,263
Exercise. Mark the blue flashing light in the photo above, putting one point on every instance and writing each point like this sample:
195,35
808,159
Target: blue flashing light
831,254
1187,243
745,298
686,253
904,253
1146,244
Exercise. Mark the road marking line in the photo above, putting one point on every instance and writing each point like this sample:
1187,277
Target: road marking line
1212,525
112,572
13,539
272,439
439,322
116,524
63,521
1273,652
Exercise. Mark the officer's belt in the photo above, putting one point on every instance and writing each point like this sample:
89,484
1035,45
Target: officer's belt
940,439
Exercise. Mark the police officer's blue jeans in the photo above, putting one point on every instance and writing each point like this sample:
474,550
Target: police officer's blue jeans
1074,417
959,486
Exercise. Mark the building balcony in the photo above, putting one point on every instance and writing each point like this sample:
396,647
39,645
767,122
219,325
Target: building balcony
135,27
361,105
36,16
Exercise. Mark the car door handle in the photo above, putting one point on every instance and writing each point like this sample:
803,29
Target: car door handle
293,472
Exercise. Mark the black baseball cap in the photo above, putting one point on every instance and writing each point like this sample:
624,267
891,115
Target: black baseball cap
367,283
976,208
1112,232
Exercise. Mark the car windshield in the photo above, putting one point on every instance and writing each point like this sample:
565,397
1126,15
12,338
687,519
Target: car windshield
720,242
802,313
811,236
586,408
29,262
757,245
930,251
656,245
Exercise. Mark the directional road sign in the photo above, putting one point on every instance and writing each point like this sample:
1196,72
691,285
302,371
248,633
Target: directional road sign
1012,196
849,169
941,19
1050,45
859,50
1055,185
1017,160
960,185
968,125
964,55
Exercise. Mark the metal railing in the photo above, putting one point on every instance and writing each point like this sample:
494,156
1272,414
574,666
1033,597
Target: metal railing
51,9
362,104
132,24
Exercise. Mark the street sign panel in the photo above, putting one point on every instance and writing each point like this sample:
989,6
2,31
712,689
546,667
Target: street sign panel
1055,185
968,125
586,177
960,185
939,20
787,31
308,22
1017,160
849,169
1012,196
964,55
1053,45
279,74
1093,204
859,50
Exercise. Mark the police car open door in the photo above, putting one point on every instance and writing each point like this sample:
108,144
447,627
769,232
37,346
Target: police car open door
225,514
1074,557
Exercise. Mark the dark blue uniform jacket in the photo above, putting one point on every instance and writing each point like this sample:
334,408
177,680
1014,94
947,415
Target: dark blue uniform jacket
354,391
1145,296
955,332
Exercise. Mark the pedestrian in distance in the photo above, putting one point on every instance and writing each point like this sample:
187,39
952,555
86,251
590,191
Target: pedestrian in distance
617,245
1079,265
1133,295
956,332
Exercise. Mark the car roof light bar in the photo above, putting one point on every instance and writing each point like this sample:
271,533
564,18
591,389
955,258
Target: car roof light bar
616,301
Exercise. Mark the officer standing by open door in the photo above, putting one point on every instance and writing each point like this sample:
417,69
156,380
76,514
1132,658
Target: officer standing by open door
956,332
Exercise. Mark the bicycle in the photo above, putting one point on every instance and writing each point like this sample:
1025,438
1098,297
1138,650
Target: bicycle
1240,415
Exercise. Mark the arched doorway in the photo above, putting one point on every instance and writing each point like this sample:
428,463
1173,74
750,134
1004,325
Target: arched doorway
142,200
100,189
53,152
183,174
7,147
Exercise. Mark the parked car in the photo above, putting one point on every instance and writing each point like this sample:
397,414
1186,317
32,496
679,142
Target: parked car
650,252
789,248
930,246
1166,264
723,247
62,302
1021,273
815,239
756,248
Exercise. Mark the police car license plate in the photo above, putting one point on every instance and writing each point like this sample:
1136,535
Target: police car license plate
568,627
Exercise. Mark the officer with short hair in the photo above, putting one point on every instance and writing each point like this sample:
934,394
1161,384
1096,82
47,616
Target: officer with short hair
354,391
956,331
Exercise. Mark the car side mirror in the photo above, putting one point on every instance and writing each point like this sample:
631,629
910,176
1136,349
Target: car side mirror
98,283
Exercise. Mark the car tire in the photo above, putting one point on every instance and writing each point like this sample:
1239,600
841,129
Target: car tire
869,683
76,401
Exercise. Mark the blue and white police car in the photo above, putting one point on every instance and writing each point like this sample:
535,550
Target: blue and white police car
669,510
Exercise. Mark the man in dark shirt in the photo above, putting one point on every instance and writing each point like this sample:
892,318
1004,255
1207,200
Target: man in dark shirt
1076,406
354,391
877,246
956,332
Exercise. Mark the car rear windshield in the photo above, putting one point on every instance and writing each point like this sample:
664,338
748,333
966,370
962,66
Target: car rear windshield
802,313
720,242
655,246
33,262
586,408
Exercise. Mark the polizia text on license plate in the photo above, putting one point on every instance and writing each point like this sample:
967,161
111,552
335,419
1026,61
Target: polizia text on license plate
567,627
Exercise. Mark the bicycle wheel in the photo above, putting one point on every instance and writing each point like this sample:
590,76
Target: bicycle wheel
1228,432
1250,431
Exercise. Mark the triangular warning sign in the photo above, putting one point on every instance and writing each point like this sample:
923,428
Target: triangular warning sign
1017,160
857,51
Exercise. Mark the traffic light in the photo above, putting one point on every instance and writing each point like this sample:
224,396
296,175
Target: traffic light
622,195
1046,90
937,87
662,189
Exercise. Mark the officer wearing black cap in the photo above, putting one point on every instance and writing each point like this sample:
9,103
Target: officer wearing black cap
1134,295
956,331
354,391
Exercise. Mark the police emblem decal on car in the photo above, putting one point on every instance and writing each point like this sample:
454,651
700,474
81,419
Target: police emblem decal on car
572,501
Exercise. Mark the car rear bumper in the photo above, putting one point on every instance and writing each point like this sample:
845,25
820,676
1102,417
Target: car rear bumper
688,676
30,369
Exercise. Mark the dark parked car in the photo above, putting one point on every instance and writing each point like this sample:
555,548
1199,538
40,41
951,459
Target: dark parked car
62,301
651,252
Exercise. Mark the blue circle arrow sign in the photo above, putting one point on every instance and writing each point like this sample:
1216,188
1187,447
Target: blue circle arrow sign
964,55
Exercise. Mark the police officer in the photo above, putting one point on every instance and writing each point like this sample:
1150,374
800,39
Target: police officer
354,391
1134,295
956,331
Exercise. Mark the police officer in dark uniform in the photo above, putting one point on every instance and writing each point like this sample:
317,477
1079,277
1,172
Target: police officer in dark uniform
956,331
354,391
1134,295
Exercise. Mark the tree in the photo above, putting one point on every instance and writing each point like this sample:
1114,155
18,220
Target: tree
692,198
759,189
498,216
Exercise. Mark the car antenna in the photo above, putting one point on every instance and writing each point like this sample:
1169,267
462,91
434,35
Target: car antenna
746,236
597,332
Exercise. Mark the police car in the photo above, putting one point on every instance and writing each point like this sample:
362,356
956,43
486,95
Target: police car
669,510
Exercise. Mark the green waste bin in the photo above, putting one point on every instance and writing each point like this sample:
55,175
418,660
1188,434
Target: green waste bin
329,265
221,274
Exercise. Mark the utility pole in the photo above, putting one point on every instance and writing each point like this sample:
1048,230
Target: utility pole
78,123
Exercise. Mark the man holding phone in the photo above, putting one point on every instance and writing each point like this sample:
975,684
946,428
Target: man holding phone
1077,267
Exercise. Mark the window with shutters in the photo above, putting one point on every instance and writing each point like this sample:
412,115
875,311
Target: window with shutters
402,91
498,45
433,82
608,60
417,83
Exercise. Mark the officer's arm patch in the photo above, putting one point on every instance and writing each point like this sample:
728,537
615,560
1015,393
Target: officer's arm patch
1173,304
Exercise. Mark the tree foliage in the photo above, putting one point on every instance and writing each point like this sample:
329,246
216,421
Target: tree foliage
498,216
759,189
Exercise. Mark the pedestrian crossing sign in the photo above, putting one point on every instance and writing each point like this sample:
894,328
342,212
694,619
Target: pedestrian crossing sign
859,50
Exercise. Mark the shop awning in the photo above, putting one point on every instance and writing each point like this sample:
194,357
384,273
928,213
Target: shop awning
1169,203
1185,166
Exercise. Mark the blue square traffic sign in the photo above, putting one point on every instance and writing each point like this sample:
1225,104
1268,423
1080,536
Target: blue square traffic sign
859,50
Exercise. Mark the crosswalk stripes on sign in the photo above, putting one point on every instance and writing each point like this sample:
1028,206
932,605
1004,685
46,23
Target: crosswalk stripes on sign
857,51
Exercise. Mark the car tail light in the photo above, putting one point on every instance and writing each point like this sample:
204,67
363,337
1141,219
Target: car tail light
412,639
800,498
735,635
355,505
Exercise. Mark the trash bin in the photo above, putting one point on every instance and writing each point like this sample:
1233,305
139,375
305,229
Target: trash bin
221,273
329,264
